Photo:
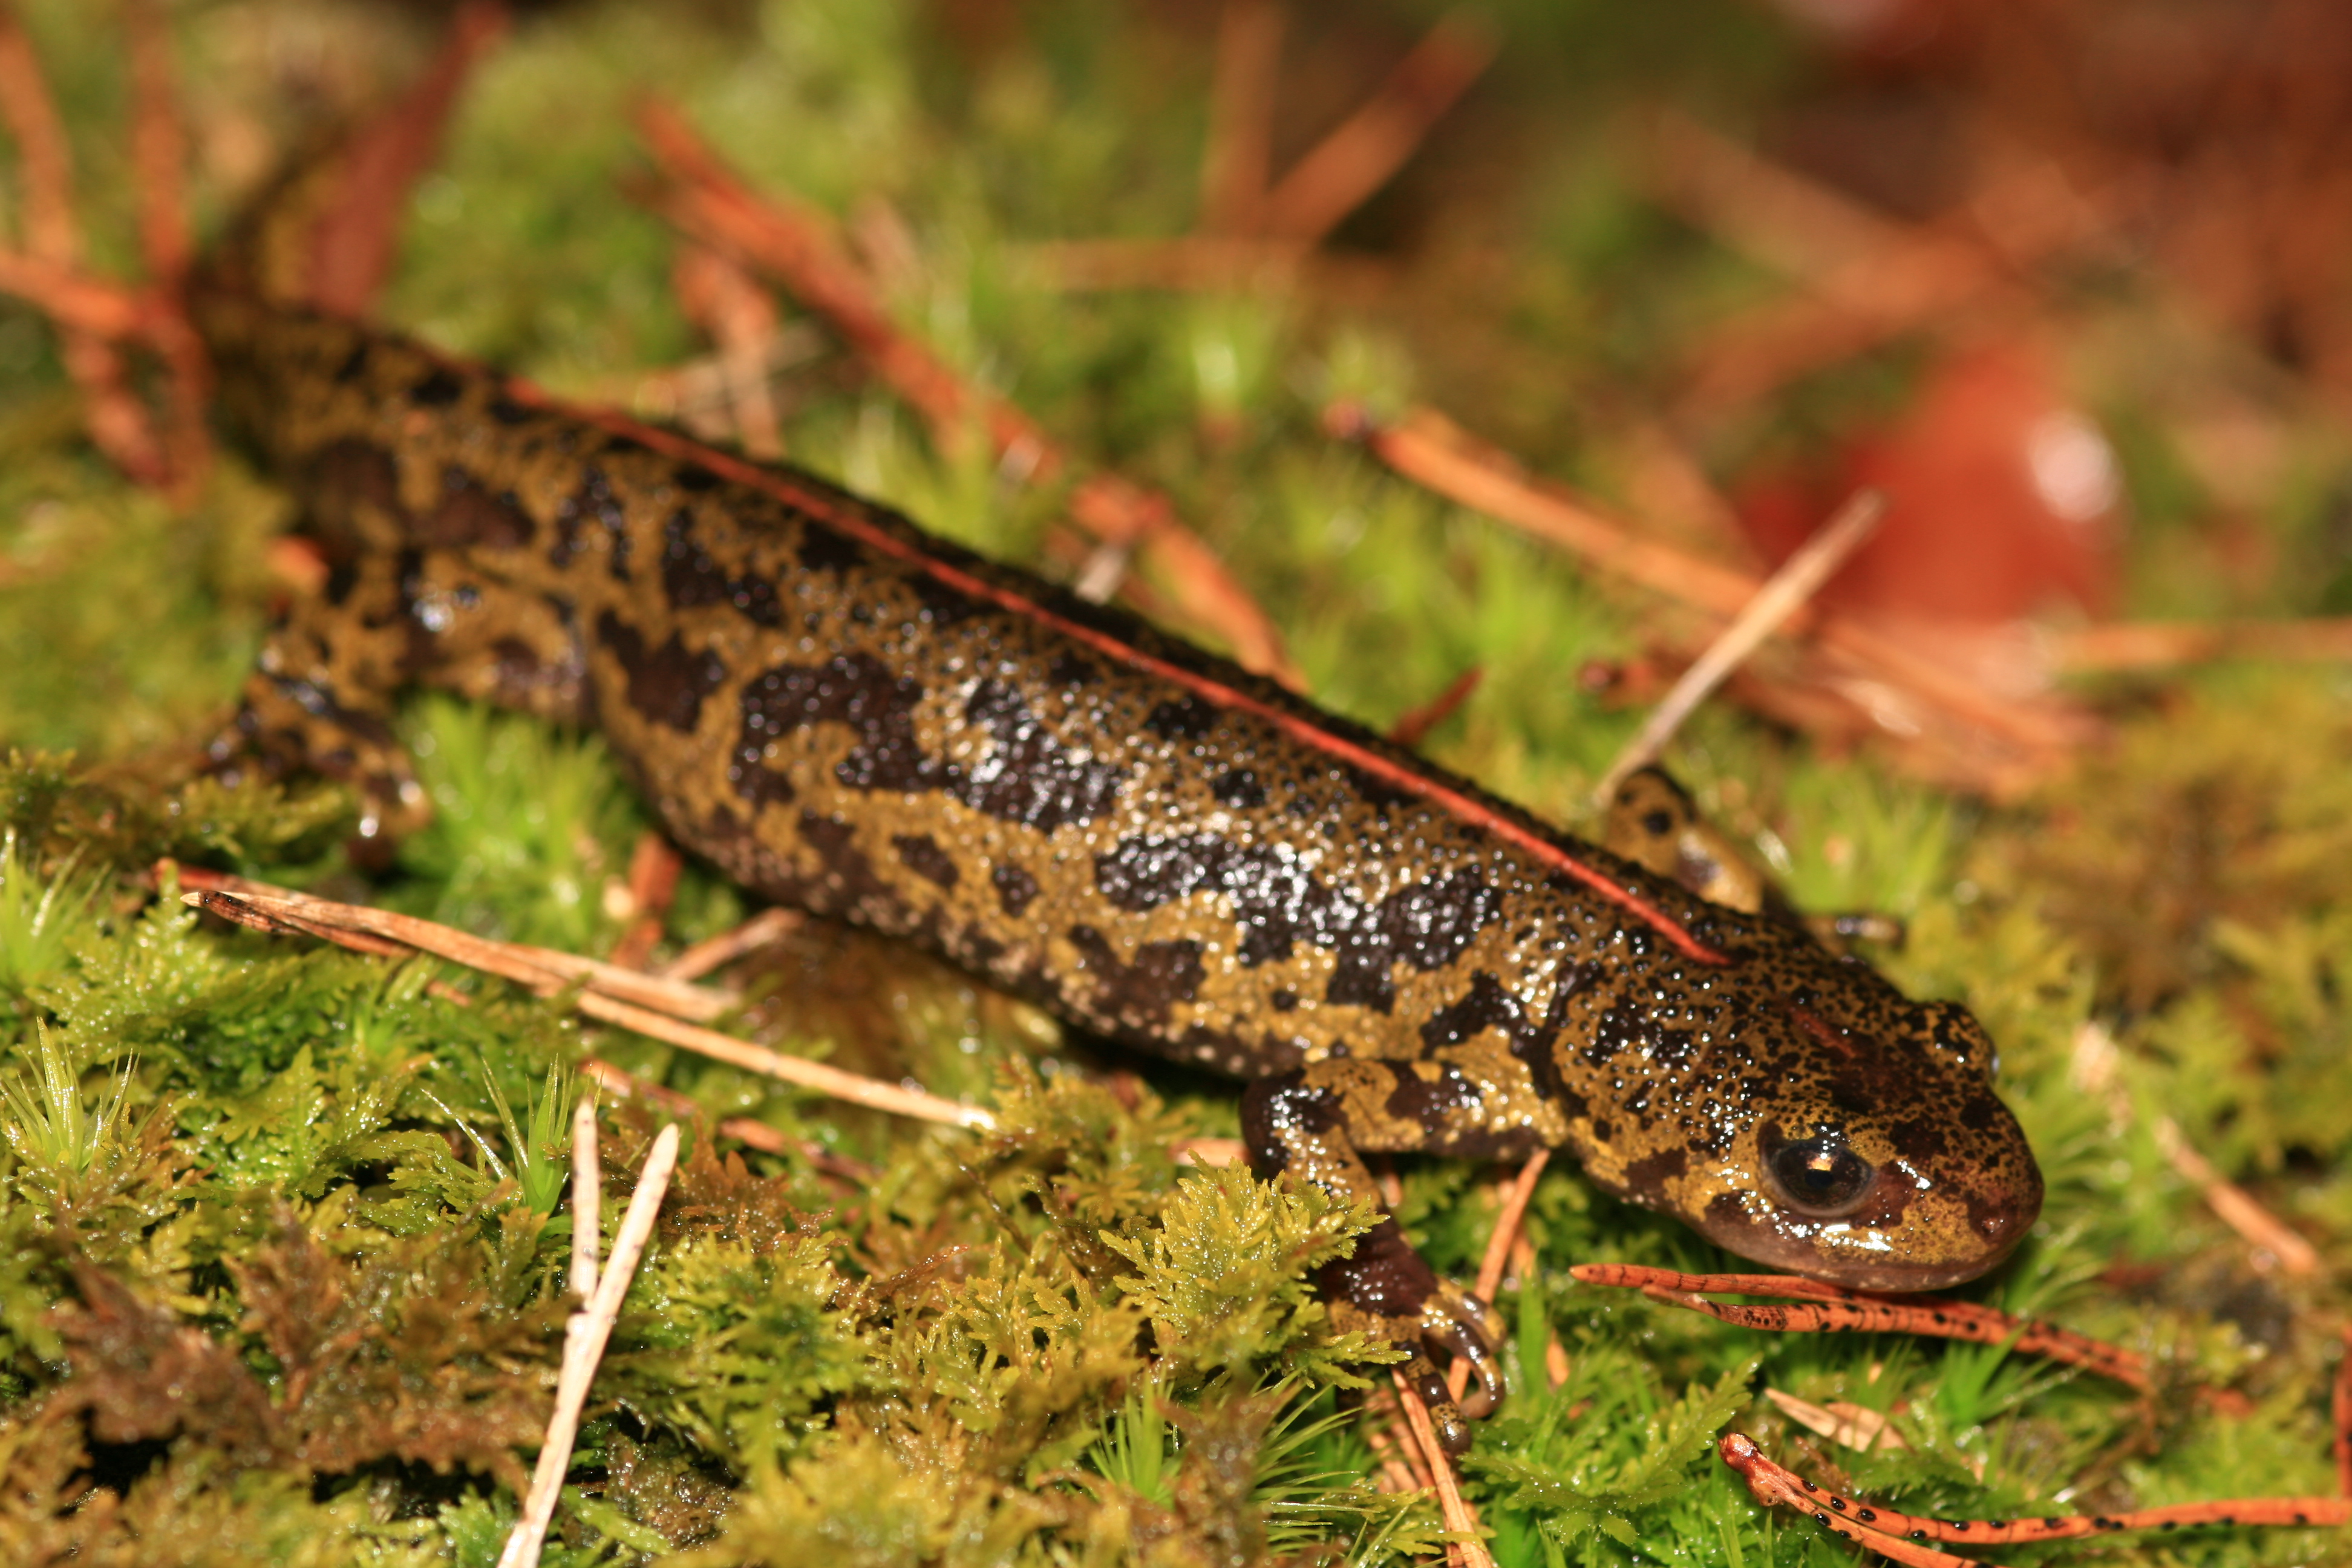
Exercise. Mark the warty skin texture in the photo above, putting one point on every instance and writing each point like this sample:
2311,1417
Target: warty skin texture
845,714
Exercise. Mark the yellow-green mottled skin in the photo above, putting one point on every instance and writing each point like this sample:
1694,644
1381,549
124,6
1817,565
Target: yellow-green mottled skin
845,714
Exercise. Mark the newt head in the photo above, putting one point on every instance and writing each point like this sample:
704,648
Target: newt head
1878,1159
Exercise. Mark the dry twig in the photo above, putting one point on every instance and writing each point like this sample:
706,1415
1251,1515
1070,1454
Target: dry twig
1397,1461
543,970
740,320
763,929
158,158
1236,164
654,867
1207,1150
2150,645
1429,449
1362,154
2272,1240
1866,277
587,1200
742,1129
2093,1069
795,244
1499,1242
354,243
1798,580
611,995
583,1346
1461,1517
1853,1426
117,426
1186,263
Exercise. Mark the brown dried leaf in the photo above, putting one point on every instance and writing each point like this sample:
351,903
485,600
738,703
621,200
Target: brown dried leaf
142,1374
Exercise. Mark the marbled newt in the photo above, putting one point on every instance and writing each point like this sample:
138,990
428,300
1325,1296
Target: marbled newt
844,714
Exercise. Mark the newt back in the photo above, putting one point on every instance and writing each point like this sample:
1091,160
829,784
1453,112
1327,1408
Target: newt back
846,714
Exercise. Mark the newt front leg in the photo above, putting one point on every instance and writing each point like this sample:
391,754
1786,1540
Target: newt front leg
1311,1124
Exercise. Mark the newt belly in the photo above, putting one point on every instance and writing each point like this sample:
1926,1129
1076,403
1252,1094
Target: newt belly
845,714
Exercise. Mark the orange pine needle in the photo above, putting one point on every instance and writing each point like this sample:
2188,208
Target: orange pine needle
1235,166
1833,1309
1432,451
117,426
1499,1242
1883,1529
1413,725
1457,1510
1365,151
354,245
796,245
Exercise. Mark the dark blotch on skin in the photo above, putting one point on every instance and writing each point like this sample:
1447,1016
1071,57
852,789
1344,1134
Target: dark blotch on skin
848,873
1277,905
692,577
1628,1030
943,603
1376,792
1015,889
343,578
1426,925
1239,789
1182,719
1487,1006
1141,994
593,503
667,681
1982,1114
1273,1108
468,514
757,785
1426,1102
1384,1277
1027,776
923,857
1653,1171
820,549
438,390
347,477
853,690
1921,1137
524,678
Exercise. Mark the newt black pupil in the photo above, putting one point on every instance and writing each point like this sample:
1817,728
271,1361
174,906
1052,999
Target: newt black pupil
1821,1175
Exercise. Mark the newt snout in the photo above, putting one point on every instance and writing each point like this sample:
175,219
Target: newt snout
1877,1164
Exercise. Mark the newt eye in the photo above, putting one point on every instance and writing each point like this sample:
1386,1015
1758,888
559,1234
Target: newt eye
1820,1177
